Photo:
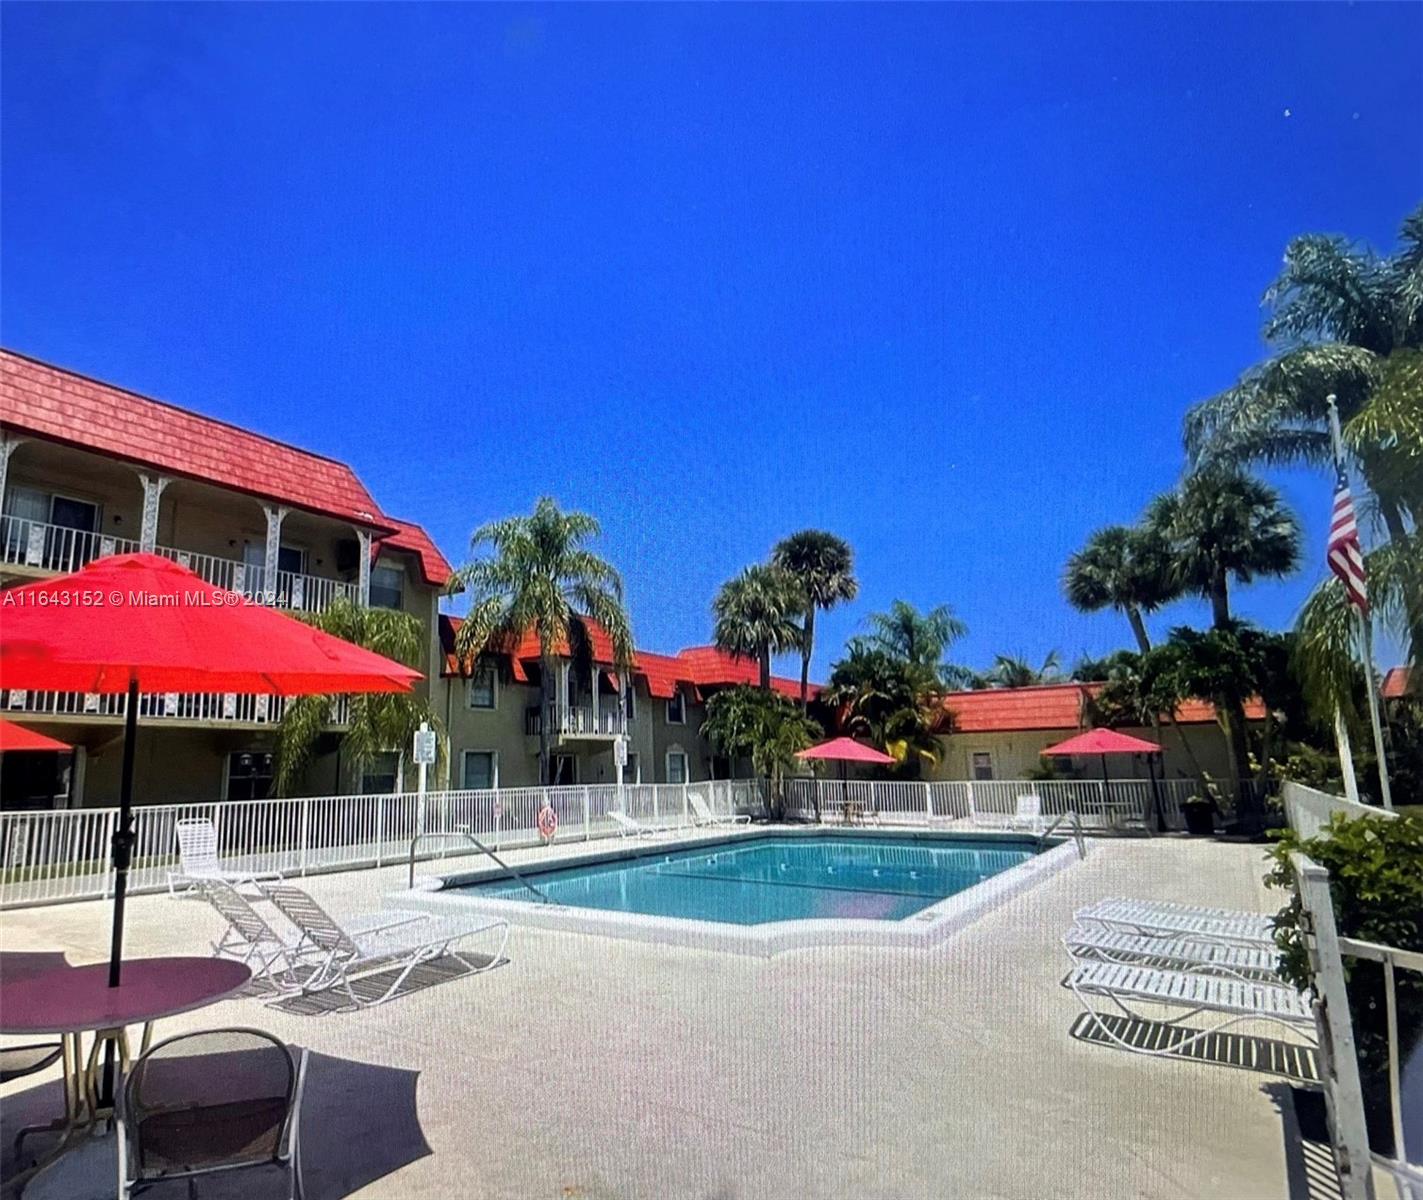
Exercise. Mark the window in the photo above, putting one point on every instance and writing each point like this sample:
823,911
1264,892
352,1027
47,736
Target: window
388,588
249,775
482,691
481,770
381,774
676,766
981,764
563,770
677,709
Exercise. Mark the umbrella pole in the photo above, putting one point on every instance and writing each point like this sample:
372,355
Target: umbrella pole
123,836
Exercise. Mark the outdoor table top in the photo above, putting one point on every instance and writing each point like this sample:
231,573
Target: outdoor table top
74,999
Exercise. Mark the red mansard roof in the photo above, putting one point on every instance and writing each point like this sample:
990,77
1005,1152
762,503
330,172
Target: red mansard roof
701,666
63,406
412,539
1397,683
1049,706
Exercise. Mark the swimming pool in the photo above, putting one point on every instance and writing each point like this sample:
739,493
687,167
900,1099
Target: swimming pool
760,891
776,879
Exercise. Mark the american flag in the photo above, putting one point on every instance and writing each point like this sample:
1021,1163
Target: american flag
1346,557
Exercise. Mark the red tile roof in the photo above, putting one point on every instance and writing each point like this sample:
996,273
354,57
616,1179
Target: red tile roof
46,401
412,539
1050,706
1397,683
696,668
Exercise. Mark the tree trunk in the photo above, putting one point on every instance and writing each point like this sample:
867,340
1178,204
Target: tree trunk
545,698
765,668
807,645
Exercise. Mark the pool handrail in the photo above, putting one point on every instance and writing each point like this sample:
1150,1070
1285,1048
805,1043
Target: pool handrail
464,832
1069,815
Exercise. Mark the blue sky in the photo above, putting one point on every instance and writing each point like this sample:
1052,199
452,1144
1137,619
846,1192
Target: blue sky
940,279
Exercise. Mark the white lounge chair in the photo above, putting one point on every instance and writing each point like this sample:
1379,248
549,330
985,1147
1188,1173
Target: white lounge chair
342,954
630,827
1236,1000
276,961
198,860
703,816
1161,918
1089,942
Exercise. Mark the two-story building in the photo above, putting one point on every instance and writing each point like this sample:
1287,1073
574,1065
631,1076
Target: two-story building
492,712
88,469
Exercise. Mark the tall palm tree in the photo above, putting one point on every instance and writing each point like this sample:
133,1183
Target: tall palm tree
379,722
755,616
824,567
1349,323
1009,671
540,576
921,639
1128,570
1222,524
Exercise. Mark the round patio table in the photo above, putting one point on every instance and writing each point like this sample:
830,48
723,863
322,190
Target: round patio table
73,1001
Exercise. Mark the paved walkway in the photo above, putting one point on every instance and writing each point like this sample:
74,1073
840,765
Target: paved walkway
591,1068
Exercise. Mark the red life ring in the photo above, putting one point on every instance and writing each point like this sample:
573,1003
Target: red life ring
548,823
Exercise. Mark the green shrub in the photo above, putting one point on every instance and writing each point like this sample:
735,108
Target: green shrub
1375,866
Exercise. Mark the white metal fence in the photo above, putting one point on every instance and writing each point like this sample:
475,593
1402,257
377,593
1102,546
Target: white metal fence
64,854
1117,804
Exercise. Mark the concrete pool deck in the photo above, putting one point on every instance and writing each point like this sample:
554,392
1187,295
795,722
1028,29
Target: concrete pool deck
589,1068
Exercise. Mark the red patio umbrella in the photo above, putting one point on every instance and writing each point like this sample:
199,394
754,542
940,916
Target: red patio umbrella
141,622
17,737
844,750
1109,741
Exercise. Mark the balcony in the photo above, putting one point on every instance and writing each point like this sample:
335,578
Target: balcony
189,708
41,548
577,724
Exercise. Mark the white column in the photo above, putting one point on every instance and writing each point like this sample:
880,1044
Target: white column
276,514
8,444
363,567
153,486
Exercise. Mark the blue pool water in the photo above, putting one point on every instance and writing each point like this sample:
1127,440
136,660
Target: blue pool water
754,881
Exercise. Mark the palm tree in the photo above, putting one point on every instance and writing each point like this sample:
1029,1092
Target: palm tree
1349,323
824,567
755,616
758,724
379,722
1009,671
1128,570
1222,524
919,638
541,577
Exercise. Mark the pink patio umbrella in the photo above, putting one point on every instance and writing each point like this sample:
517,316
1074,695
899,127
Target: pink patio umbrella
1109,741
843,750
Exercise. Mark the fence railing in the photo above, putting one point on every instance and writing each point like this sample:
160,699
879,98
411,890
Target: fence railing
1116,804
64,855
28,543
243,709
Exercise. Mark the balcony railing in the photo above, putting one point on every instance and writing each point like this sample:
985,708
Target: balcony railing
577,722
191,707
48,547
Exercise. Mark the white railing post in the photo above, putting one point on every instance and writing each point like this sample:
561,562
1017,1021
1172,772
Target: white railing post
586,806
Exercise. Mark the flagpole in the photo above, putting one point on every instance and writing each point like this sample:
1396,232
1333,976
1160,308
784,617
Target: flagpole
1366,641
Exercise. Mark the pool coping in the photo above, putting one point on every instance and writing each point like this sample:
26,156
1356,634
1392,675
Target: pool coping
921,930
